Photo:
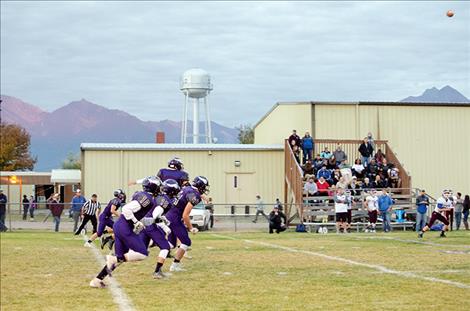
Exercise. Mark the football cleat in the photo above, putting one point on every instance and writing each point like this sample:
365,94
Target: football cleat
443,235
176,267
420,234
160,275
87,244
111,244
97,283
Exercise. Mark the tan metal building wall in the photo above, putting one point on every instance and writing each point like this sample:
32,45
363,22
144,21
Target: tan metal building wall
279,122
261,169
431,140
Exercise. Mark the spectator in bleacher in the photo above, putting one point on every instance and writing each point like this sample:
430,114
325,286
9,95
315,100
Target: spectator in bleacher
322,186
339,155
318,162
335,176
326,154
341,210
384,166
294,139
358,169
372,169
354,187
342,183
307,147
466,211
422,203
365,149
310,187
367,184
331,164
379,156
276,218
296,151
379,183
324,172
394,177
385,203
345,170
308,168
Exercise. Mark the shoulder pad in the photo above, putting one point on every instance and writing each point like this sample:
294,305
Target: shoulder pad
193,198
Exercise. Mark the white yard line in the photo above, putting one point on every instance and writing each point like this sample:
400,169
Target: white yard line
120,297
379,268
411,241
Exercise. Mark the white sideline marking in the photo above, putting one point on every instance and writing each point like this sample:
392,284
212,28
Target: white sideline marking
356,263
119,296
411,241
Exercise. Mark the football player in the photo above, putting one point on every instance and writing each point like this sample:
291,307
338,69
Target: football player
443,204
180,222
156,230
371,204
106,219
341,210
128,244
174,171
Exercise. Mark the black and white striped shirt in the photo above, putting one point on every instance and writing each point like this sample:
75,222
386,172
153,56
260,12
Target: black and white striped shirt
90,207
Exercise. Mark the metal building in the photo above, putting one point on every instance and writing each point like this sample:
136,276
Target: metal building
236,172
431,140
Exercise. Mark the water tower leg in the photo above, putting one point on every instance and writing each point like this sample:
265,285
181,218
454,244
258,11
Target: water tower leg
183,120
196,121
208,120
186,118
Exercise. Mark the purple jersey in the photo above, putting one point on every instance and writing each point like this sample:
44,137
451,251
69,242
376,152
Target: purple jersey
161,200
188,194
168,173
107,210
146,201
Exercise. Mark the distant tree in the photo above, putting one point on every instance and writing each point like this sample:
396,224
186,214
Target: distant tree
72,162
14,148
246,134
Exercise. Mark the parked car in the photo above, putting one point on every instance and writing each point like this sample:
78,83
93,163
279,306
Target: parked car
200,217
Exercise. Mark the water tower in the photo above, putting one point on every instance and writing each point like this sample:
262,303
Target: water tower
196,86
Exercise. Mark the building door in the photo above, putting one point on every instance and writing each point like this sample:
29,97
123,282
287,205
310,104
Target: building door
240,188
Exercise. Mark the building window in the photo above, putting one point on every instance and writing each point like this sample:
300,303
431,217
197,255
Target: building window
235,181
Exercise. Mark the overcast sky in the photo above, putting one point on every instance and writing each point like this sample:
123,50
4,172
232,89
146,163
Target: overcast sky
130,56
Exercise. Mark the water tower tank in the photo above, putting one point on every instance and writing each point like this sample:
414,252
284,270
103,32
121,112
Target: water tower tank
196,83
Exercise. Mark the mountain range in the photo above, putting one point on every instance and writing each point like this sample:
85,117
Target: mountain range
445,95
63,129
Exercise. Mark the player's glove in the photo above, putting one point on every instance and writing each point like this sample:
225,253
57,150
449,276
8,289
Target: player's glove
164,227
138,227
194,230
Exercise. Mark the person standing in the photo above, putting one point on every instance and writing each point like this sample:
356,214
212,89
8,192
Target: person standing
90,211
307,147
210,208
259,208
341,210
76,209
56,210
422,201
3,211
294,139
385,203
32,206
458,210
25,206
466,210
365,149
371,205
278,204
275,220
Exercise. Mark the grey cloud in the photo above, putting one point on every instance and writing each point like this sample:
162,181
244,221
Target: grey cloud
130,55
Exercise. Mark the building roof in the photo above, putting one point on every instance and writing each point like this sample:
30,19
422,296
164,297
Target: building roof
364,103
179,147
66,176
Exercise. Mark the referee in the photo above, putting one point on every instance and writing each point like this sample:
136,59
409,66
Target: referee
90,211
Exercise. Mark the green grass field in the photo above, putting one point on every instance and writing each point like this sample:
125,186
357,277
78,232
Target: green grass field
248,271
